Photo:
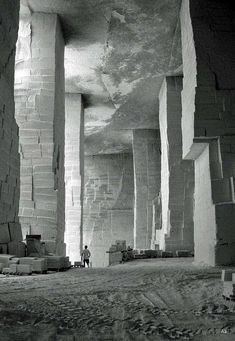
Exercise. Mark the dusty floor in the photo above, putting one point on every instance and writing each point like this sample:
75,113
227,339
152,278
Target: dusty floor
142,300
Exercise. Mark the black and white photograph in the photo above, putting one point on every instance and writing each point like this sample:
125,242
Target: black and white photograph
117,166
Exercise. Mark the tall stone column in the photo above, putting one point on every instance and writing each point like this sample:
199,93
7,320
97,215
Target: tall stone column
208,35
147,177
108,213
176,175
9,137
74,175
39,93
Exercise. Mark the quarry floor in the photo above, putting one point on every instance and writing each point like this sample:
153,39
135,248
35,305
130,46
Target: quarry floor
155,299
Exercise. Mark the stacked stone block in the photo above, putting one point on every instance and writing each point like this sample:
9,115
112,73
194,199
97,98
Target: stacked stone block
9,137
11,239
39,95
74,177
207,98
108,203
177,175
147,179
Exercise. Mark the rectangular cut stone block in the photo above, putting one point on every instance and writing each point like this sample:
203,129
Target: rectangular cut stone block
27,260
36,264
166,254
17,248
223,190
39,265
33,246
6,271
55,262
115,257
15,232
183,253
4,234
13,268
225,215
4,259
25,269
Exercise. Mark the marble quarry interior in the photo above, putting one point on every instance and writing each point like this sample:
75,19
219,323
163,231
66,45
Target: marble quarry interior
117,123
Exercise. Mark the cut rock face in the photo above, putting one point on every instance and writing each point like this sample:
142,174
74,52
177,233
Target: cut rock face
117,60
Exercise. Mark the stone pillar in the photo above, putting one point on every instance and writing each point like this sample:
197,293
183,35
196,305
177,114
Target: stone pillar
74,174
147,169
176,174
108,203
10,158
208,35
39,93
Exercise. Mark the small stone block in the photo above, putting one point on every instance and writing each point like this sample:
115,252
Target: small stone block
14,261
183,253
6,271
15,232
166,254
4,259
24,269
17,248
39,265
13,267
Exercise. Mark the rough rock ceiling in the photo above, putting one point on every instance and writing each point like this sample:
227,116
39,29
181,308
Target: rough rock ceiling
117,52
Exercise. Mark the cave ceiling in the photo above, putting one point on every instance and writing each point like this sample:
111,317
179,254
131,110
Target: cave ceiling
117,53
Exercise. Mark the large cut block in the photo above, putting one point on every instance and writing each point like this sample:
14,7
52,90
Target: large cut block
33,245
4,259
183,253
39,265
55,262
115,257
7,271
4,234
17,248
25,269
223,190
15,232
13,267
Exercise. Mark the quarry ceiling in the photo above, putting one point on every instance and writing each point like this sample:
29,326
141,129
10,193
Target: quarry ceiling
117,53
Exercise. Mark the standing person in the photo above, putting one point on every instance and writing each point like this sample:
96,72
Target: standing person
85,256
